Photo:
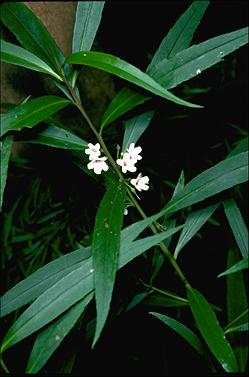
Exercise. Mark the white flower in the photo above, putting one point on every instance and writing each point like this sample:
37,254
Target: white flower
127,163
140,183
125,211
98,165
93,151
134,152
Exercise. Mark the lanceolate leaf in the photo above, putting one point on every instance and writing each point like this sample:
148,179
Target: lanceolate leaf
194,222
65,292
241,265
106,245
135,127
57,137
31,33
124,101
49,339
182,330
241,147
193,60
88,17
240,328
5,155
227,173
31,113
180,36
211,331
126,71
237,308
237,225
13,54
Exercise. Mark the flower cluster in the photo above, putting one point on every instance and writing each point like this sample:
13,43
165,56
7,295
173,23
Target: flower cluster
127,163
96,163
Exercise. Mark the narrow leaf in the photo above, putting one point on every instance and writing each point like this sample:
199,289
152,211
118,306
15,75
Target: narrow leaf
237,307
57,137
193,60
241,147
5,146
211,331
180,184
31,33
71,288
49,339
182,330
227,173
239,266
88,17
13,54
237,225
34,285
106,245
124,101
135,127
126,71
31,113
240,328
180,36
194,222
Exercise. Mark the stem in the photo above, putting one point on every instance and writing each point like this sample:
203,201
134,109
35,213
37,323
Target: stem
119,174
6,370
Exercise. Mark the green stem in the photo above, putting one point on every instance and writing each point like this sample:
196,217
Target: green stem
119,174
5,369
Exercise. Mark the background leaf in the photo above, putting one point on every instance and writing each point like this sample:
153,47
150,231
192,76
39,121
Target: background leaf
49,339
237,225
227,173
87,20
182,330
135,127
125,100
126,71
5,146
194,222
241,265
57,137
193,60
180,36
31,113
31,33
211,331
237,309
106,245
13,54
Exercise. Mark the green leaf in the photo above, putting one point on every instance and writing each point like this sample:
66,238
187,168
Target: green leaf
124,101
57,137
31,113
5,146
180,184
182,330
126,71
180,36
34,285
241,265
240,328
193,60
31,33
237,225
106,245
227,173
13,54
241,147
164,302
70,288
88,17
211,331
135,127
49,339
237,308
194,222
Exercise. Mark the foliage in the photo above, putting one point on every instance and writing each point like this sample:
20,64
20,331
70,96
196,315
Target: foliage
69,270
